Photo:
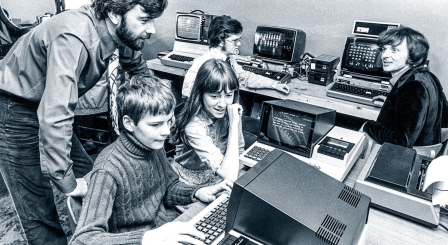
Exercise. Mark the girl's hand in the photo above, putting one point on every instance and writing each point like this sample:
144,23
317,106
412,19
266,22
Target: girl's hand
235,112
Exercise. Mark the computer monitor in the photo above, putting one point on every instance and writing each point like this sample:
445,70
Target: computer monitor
294,126
282,200
362,58
279,44
192,27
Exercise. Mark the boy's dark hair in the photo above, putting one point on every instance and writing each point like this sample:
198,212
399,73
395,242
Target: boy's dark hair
213,76
418,46
143,95
154,8
221,27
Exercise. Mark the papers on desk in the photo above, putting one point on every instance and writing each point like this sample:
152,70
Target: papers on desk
437,174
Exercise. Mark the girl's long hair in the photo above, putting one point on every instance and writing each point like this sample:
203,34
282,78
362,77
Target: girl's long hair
213,76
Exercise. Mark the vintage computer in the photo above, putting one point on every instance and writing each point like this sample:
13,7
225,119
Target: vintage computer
393,177
277,52
283,200
361,75
308,133
190,39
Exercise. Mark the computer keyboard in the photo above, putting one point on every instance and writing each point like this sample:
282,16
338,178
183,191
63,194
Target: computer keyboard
257,153
358,90
214,222
180,57
282,77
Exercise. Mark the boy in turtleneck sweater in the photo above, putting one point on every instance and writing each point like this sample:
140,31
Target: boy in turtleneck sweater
132,187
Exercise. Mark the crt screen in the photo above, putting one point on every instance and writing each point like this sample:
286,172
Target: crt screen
289,128
277,44
363,56
188,27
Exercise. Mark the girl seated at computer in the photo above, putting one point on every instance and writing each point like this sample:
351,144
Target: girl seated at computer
208,136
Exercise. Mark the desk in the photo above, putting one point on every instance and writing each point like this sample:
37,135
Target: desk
302,91
384,228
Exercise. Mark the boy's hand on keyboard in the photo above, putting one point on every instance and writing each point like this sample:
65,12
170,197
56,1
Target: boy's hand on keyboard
208,194
174,233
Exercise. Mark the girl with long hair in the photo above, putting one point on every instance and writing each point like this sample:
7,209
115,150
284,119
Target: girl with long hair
208,136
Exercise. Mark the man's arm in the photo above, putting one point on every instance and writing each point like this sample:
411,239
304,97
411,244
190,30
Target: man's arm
191,74
66,56
410,113
252,80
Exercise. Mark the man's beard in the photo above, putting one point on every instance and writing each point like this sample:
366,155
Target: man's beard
130,39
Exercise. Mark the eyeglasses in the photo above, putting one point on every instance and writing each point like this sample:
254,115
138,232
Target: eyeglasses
235,42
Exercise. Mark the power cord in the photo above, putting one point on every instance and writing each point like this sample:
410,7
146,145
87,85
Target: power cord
445,207
304,66
443,226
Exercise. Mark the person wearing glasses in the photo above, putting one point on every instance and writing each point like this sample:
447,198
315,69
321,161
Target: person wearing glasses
224,39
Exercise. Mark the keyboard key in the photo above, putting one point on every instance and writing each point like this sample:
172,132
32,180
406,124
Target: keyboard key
213,223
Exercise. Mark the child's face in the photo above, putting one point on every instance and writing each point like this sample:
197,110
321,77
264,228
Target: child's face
216,103
153,130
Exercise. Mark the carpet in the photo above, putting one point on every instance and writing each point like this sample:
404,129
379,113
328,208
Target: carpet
11,232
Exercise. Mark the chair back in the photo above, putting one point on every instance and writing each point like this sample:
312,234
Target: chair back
431,151
74,205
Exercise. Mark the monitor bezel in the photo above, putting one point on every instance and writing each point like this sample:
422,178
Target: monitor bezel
294,56
379,75
201,20
262,136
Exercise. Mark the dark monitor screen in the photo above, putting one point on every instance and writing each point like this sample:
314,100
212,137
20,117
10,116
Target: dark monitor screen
279,44
292,125
362,58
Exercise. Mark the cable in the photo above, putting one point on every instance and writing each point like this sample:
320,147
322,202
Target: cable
443,226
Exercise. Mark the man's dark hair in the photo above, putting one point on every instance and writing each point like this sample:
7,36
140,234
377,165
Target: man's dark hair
154,8
220,29
418,46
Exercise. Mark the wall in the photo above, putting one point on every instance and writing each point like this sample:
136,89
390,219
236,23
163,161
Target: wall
27,10
327,23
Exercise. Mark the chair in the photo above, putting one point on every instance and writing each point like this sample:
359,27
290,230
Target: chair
431,151
74,205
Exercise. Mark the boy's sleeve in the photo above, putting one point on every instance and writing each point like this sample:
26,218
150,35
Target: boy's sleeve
96,210
178,193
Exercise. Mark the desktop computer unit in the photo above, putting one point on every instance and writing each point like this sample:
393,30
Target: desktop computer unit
393,177
308,133
283,200
190,39
361,75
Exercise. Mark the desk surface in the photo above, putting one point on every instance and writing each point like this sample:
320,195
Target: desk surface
384,228
302,91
